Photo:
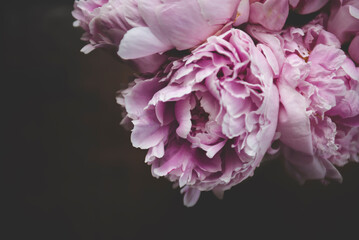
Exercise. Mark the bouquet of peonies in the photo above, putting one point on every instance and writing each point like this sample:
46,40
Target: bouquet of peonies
220,80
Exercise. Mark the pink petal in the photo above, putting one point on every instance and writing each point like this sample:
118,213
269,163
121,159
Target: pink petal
344,23
218,11
271,14
157,151
354,49
164,112
191,196
271,58
242,13
183,116
214,149
149,64
148,132
348,106
138,98
293,123
140,42
305,167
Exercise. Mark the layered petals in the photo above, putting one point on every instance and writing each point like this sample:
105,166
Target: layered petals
319,95
207,119
106,22
178,24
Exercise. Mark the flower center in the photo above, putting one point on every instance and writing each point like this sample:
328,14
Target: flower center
199,118
305,58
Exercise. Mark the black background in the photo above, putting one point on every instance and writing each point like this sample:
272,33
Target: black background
69,171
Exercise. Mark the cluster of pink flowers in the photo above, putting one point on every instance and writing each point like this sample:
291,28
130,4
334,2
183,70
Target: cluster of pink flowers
219,81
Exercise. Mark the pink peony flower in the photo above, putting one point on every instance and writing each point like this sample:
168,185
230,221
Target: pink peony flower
319,94
272,14
179,24
207,119
142,30
106,22
344,23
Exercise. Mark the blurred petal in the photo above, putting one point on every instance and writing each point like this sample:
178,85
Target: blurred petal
191,196
307,6
344,21
354,49
150,63
305,167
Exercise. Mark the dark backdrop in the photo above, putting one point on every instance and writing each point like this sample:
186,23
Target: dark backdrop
69,171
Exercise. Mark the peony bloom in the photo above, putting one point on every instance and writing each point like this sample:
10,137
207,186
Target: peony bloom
179,24
272,14
142,30
105,23
319,94
208,119
344,23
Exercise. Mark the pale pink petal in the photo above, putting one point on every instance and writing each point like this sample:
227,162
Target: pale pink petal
169,21
219,11
271,58
271,14
140,42
157,151
293,123
148,132
139,97
242,13
348,106
183,116
191,196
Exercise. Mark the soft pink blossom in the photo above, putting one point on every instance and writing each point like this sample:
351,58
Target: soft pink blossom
319,94
105,23
344,23
179,24
208,119
143,30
